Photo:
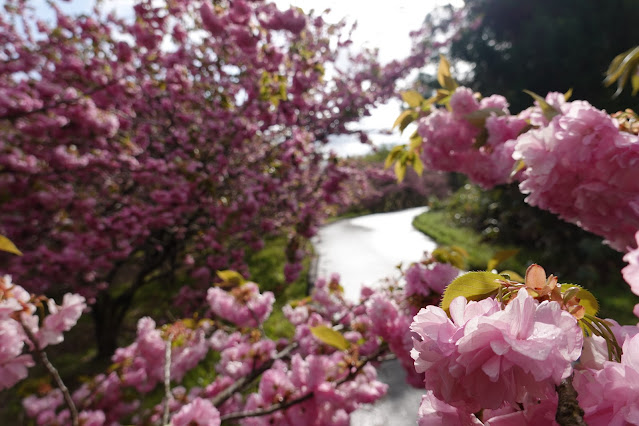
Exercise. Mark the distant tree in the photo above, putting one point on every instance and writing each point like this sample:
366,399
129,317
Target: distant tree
547,46
135,151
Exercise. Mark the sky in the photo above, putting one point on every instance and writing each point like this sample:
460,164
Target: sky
380,24
384,25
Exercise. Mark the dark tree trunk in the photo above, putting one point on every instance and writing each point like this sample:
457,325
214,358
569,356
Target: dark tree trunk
108,315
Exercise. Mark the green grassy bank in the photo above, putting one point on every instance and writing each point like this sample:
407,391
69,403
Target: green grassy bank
613,293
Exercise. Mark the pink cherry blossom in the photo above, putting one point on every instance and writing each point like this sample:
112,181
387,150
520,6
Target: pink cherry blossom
243,305
61,318
488,355
199,412
422,279
609,395
434,412
631,272
463,102
582,155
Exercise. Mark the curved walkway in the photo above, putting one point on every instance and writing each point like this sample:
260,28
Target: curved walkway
365,250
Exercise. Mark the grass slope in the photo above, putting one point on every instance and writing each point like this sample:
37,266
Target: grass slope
615,299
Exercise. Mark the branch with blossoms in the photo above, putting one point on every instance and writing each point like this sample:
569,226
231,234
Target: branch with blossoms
325,368
25,328
518,344
245,381
572,160
42,357
529,352
569,158
286,404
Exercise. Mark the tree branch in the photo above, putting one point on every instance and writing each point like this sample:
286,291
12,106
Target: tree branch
569,413
167,380
42,357
237,385
284,405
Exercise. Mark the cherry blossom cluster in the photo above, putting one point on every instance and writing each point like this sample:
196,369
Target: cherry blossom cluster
505,357
317,377
428,279
243,305
450,138
487,362
375,189
26,329
486,357
508,359
569,157
582,154
606,391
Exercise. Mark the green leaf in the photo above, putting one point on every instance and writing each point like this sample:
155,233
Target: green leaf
457,249
337,289
402,126
415,141
8,246
232,278
473,286
548,110
634,80
613,68
622,67
499,257
301,302
512,275
454,255
394,155
478,118
412,98
444,76
518,167
568,94
418,165
586,298
331,337
621,83
400,170
426,105
404,119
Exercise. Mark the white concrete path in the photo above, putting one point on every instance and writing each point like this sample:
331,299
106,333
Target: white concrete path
365,250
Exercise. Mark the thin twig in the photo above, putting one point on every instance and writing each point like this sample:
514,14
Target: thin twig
168,396
42,357
284,405
245,380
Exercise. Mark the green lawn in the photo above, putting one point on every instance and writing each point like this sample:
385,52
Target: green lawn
267,269
436,225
